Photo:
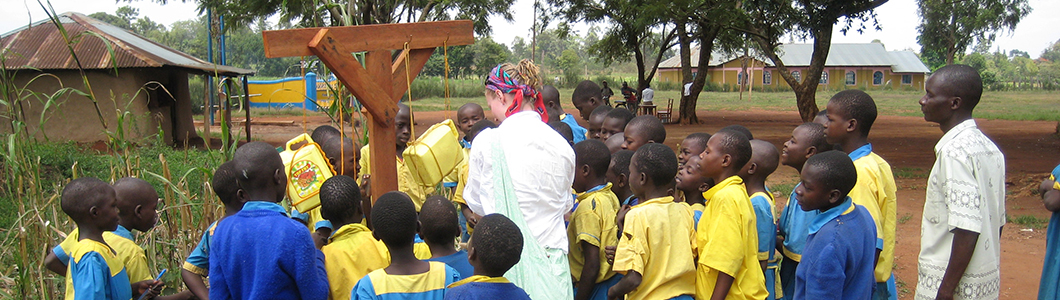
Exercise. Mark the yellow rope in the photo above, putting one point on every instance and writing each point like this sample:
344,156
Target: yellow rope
408,84
445,57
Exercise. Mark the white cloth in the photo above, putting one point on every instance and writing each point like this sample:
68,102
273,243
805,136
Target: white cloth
647,95
688,89
966,190
541,164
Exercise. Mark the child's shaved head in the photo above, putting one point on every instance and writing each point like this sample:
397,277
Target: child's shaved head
643,130
765,157
340,200
854,104
594,154
734,144
259,169
586,98
394,219
614,143
82,194
439,220
816,134
657,162
468,115
324,133
137,203
692,146
616,121
741,129
497,243
224,184
837,171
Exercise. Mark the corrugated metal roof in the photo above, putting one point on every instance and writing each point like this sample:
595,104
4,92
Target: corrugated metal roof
839,55
907,62
41,45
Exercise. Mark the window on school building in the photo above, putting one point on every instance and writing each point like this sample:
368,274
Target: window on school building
907,79
824,78
797,75
877,78
767,77
741,78
851,78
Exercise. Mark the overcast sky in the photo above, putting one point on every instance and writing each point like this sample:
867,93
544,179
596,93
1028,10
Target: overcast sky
897,18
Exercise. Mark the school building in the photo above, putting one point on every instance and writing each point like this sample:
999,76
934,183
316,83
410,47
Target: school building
134,79
868,66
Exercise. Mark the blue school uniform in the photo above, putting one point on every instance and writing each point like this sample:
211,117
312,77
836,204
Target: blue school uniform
484,287
767,239
261,253
579,131
198,261
794,226
459,262
1050,284
96,272
840,254
378,285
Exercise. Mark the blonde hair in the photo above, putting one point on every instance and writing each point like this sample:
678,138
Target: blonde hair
526,71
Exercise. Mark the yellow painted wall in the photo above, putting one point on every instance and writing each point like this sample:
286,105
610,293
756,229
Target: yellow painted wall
836,78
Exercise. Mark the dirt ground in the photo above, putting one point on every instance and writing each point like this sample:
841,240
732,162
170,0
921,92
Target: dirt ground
1030,149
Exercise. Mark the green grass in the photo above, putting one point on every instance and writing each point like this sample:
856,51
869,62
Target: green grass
1030,221
782,189
905,218
910,173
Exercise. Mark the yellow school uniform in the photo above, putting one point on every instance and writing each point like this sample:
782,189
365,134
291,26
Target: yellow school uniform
406,182
659,243
351,253
126,251
421,250
115,285
461,180
593,222
727,240
876,191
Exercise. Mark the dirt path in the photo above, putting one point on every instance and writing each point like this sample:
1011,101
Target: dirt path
907,143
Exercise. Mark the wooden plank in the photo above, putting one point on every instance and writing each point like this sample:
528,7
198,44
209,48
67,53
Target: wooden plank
383,141
417,59
422,35
348,70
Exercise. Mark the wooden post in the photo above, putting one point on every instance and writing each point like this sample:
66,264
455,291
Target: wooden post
381,82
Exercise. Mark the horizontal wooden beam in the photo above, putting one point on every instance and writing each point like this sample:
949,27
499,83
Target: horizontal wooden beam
422,35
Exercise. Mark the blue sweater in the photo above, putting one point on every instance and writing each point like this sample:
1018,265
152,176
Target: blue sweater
260,253
839,257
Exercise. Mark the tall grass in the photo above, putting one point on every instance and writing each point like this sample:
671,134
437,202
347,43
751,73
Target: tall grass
34,170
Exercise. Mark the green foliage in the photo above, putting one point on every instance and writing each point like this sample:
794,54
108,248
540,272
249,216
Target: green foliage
948,27
1030,221
470,60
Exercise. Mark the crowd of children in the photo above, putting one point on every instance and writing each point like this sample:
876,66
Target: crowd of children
645,222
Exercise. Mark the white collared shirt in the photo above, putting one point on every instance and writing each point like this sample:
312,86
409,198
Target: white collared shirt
966,190
541,165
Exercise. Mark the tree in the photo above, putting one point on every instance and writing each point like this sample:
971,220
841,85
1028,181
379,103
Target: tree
948,27
638,29
705,22
768,21
312,13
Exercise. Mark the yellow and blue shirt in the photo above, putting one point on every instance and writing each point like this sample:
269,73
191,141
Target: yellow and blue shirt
593,222
351,253
580,133
125,248
697,213
764,204
485,287
96,272
659,243
727,240
794,226
198,261
876,191
379,285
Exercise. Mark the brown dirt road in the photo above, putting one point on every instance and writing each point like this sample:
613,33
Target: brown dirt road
907,143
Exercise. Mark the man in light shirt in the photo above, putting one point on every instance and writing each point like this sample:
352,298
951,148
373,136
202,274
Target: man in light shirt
964,209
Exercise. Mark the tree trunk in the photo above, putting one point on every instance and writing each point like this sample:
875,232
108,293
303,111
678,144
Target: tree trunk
805,91
686,106
707,34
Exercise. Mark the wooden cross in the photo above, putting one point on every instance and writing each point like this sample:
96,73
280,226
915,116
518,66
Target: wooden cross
381,82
